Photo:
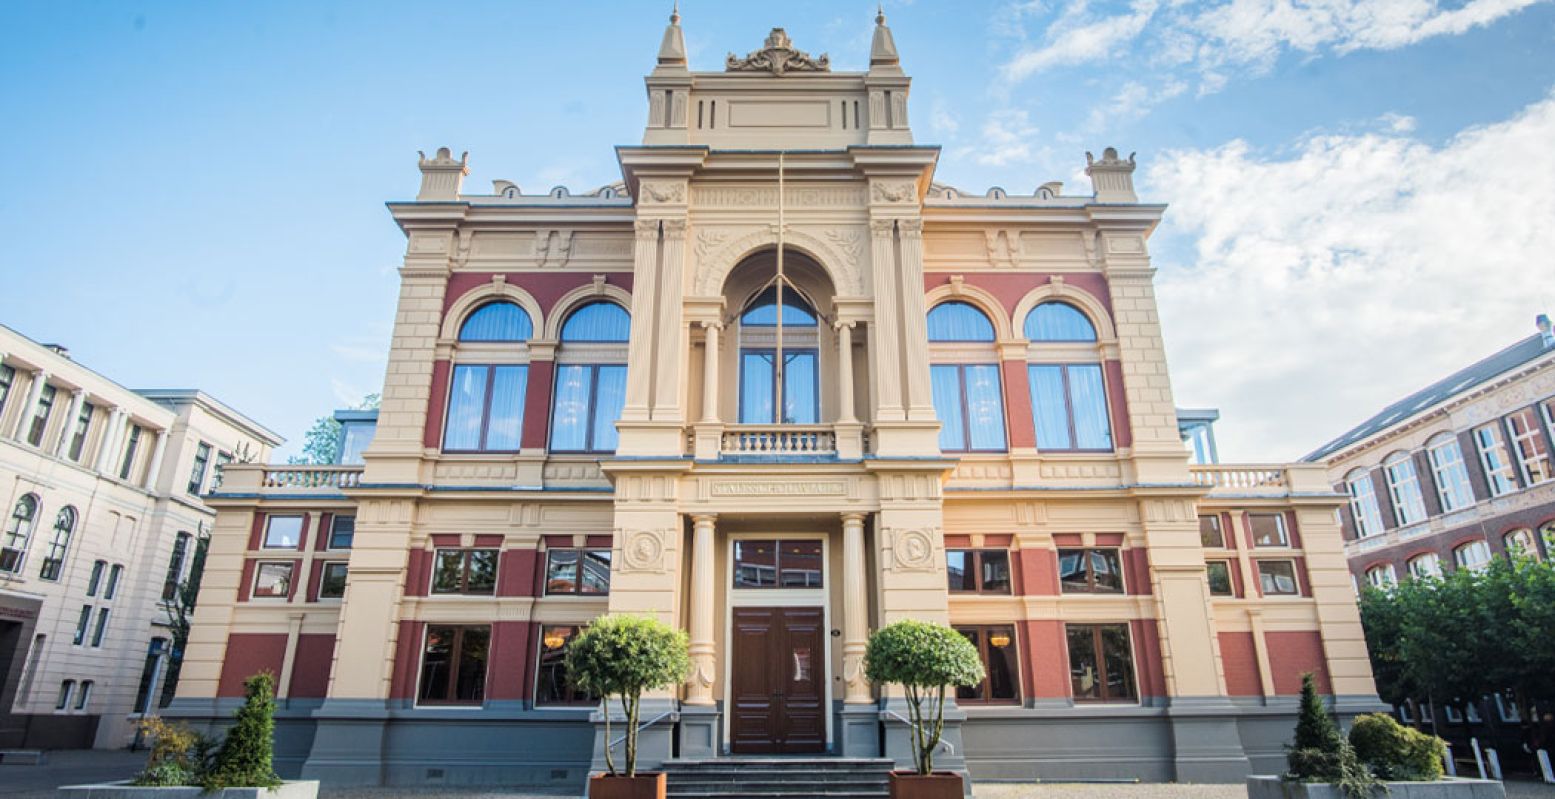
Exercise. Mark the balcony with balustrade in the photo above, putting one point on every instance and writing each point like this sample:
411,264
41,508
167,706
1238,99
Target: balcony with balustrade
255,480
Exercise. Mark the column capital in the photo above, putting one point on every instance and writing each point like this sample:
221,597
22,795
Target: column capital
854,517
712,324
844,324
704,518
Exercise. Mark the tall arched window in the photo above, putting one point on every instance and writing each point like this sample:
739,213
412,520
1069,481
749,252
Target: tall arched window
1363,503
1068,390
54,561
1519,544
489,381
1472,555
759,372
1451,476
18,531
1404,488
590,378
967,389
1425,565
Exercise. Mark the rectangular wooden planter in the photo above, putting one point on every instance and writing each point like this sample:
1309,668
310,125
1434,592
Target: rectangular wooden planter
1266,787
939,785
646,785
292,789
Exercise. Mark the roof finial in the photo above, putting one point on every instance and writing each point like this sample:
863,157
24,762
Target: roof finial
879,13
672,50
882,50
675,14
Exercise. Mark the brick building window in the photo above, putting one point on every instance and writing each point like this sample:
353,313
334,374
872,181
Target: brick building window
577,571
83,623
551,684
332,580
485,408
1363,503
18,532
273,579
1090,571
1210,534
590,387
1278,578
99,568
1268,529
1382,576
453,665
1425,565
1472,555
283,532
101,630
777,564
760,399
996,647
1219,574
1452,477
202,462
175,567
54,560
342,532
1493,457
465,571
115,574
1404,489
1533,455
1519,544
978,571
1101,663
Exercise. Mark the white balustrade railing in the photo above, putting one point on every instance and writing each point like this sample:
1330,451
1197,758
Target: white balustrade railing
778,439
1243,477
311,477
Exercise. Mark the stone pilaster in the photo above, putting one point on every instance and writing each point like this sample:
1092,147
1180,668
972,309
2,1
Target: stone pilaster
915,332
704,660
855,611
62,447
669,369
645,280
23,424
885,340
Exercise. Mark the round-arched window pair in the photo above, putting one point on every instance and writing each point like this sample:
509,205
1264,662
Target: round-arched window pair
503,321
1052,321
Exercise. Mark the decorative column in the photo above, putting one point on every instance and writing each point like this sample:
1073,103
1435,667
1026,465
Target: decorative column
668,385
40,379
915,331
154,468
77,399
639,356
700,626
105,445
885,337
855,610
710,373
845,372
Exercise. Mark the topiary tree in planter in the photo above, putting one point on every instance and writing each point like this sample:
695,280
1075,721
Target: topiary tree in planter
1321,754
924,658
246,757
622,656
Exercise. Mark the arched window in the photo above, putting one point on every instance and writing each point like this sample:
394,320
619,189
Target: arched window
497,321
967,389
487,388
1382,576
54,562
1519,544
1404,488
13,548
1058,321
590,378
1425,566
1363,503
1451,476
1547,536
759,372
1472,555
959,321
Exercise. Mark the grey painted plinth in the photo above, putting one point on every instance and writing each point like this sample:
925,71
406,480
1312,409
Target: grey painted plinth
1267,787
951,754
348,743
699,732
1206,744
655,743
301,789
858,730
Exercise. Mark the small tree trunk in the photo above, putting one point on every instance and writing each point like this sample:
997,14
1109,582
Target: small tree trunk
610,761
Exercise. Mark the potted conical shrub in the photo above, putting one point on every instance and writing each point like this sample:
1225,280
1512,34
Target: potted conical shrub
925,659
621,656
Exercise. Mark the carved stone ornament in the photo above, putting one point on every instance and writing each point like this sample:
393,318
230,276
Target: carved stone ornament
663,193
912,550
778,55
894,192
644,550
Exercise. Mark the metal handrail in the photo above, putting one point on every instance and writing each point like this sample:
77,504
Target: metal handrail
643,726
950,748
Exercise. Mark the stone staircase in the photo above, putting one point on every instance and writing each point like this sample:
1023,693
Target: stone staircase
778,778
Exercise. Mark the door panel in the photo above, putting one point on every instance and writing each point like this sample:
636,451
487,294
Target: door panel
778,691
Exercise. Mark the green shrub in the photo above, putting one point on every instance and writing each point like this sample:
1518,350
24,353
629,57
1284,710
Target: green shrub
623,656
179,755
1321,754
923,658
1396,752
245,759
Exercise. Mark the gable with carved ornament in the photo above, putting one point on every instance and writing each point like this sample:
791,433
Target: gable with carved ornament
718,249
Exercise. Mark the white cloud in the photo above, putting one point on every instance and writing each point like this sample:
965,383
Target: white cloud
1334,280
1133,101
942,120
1007,137
1076,38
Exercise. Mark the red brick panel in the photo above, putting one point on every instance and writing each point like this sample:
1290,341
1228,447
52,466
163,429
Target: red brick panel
1227,532
247,578
1237,588
1292,529
1046,660
446,541
1038,572
1239,659
257,531
1017,409
314,575
958,541
247,655
311,663
516,573
418,573
507,673
1109,539
407,659
493,541
432,436
601,541
321,541
291,587
537,403
557,541
302,535
1068,540
1136,566
1147,654
1117,401
1303,581
1293,653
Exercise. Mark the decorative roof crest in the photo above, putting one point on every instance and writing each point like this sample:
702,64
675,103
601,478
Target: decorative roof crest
778,56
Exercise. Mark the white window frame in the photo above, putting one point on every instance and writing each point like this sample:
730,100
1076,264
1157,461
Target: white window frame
302,532
1526,547
1363,503
1535,468
1404,489
1422,572
1450,472
1478,545
1495,459
1383,576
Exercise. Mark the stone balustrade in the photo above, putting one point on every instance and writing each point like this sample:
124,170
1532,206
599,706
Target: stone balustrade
778,439
255,478
1241,477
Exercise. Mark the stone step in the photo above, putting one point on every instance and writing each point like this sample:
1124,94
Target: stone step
745,793
862,782
758,777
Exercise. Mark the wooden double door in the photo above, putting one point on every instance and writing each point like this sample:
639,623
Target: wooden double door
778,681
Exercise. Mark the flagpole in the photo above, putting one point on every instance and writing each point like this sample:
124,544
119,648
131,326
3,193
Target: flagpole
777,412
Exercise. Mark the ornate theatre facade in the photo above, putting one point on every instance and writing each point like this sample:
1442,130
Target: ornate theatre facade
779,388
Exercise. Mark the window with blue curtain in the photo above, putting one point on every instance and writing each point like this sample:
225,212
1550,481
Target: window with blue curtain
587,403
497,321
1058,321
1069,407
758,386
598,322
959,321
763,310
485,408
969,400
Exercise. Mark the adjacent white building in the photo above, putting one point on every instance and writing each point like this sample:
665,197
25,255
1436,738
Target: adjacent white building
102,517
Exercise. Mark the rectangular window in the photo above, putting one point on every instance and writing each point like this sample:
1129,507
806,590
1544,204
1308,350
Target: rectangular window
83,623
1090,571
202,461
85,696
114,574
1533,455
66,688
1404,488
1101,664
148,674
777,564
129,453
758,386
1069,407
273,580
978,571
551,684
588,402
342,531
1268,529
7,379
969,401
1493,457
40,416
486,409
83,424
332,582
453,665
222,459
1278,578
1219,574
175,567
1452,477
98,569
577,571
283,532
1363,504
101,629
1210,534
996,647
465,571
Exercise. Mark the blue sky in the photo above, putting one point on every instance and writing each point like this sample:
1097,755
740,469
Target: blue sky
1361,190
